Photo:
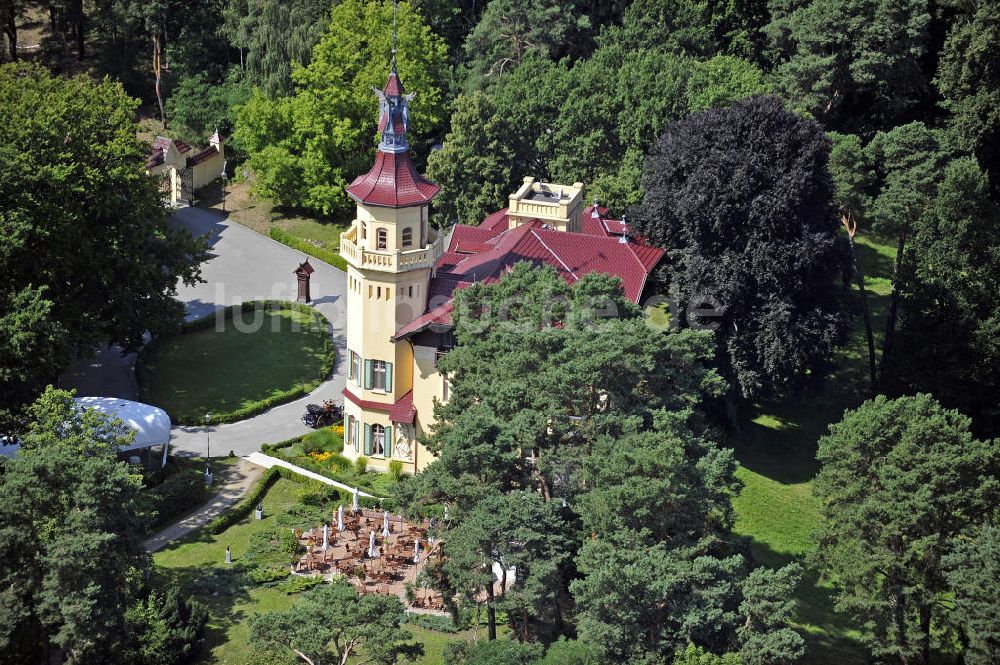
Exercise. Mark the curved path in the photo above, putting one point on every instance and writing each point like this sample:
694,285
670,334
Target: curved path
242,265
245,265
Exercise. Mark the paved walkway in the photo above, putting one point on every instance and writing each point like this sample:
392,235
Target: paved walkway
240,477
267,462
243,265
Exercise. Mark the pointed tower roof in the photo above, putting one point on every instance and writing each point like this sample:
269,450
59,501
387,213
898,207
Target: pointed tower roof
393,181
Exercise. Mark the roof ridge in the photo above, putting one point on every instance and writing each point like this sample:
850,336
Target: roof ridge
534,232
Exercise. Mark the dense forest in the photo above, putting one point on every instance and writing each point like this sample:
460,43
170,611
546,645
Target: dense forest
760,143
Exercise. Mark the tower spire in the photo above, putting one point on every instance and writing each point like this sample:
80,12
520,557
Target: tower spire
395,34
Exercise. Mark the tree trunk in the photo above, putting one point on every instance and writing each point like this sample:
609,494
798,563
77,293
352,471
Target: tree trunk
79,22
157,70
10,29
890,321
865,310
491,612
899,620
925,634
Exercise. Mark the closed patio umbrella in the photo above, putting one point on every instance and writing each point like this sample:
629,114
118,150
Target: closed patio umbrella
326,536
340,518
371,545
354,503
416,551
385,524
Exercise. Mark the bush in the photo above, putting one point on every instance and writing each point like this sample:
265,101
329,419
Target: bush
396,470
272,545
178,494
299,583
323,440
442,624
266,574
249,502
330,256
361,465
164,630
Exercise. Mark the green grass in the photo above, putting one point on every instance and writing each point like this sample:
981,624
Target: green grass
212,371
777,449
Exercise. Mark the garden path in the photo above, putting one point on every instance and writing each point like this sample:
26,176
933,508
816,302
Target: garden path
239,478
245,265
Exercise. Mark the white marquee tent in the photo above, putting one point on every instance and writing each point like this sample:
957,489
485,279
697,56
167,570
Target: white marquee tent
151,424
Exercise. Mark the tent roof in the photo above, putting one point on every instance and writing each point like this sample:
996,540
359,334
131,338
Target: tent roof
151,424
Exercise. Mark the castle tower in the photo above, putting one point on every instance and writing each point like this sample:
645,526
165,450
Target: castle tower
390,250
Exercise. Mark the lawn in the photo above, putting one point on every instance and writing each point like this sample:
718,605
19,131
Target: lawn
776,450
222,371
227,635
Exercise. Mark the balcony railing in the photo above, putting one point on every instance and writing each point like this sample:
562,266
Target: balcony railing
401,260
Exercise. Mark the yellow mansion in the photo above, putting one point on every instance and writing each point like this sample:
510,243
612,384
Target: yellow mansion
401,274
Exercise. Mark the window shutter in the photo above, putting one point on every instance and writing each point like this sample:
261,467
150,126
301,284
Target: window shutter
388,440
354,433
368,439
368,375
388,377
347,429
350,364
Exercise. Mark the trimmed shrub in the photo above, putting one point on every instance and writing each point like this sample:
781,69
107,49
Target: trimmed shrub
328,255
442,624
298,584
178,494
396,470
361,465
249,502
268,574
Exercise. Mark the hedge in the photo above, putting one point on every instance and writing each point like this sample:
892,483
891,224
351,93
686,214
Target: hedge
332,257
248,503
207,321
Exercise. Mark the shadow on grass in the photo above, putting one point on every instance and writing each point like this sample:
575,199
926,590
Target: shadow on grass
831,637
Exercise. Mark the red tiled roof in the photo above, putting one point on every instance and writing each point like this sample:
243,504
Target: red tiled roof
573,255
207,153
366,403
393,86
403,411
393,182
160,144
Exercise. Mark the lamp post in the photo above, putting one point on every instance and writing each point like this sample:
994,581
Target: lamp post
208,450
225,178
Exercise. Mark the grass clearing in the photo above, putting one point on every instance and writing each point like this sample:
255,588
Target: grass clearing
255,356
777,449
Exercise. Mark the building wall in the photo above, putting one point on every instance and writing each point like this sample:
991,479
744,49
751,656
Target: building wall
207,171
379,302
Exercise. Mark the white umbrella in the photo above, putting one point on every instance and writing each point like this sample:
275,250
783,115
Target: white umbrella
446,512
371,545
354,503
326,537
340,517
385,524
416,551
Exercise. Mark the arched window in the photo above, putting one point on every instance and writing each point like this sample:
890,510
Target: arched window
378,440
381,239
407,237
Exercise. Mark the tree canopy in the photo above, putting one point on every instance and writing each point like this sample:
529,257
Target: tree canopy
87,257
305,148
900,481
741,199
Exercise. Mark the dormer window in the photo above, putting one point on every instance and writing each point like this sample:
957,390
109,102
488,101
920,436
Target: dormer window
381,240
407,237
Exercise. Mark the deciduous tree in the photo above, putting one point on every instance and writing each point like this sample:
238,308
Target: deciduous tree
741,199
87,257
